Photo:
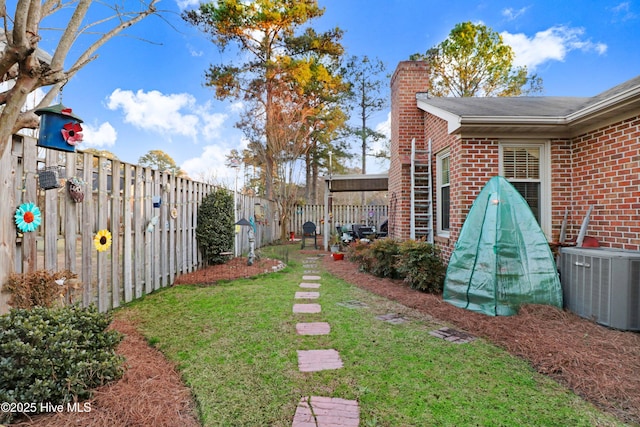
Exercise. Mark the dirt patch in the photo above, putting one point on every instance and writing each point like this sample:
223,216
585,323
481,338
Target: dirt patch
600,364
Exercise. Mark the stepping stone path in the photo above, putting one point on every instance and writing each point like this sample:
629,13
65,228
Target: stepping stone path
313,328
326,411
453,336
309,285
318,360
307,308
319,411
307,295
353,304
393,318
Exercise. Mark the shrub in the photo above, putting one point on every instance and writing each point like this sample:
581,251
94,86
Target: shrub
385,254
421,265
360,253
39,288
55,355
215,227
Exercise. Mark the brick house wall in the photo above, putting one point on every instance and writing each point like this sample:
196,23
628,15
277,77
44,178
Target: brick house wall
606,173
407,122
601,168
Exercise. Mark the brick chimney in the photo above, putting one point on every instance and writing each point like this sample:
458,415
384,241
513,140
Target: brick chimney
407,122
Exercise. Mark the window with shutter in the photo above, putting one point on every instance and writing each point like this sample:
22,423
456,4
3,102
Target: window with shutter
443,194
524,165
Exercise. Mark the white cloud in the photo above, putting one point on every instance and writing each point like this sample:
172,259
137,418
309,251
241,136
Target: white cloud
172,115
380,165
186,4
237,107
212,123
551,44
211,162
622,12
193,52
512,14
101,136
155,111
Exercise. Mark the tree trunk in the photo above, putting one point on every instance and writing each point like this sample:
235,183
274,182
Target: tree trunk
314,181
308,189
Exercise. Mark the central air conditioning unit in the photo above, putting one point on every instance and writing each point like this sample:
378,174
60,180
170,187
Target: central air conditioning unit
603,285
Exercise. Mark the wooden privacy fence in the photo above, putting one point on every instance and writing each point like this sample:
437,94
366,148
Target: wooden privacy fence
372,215
152,217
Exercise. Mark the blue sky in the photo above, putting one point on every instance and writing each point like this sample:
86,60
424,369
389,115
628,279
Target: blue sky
145,91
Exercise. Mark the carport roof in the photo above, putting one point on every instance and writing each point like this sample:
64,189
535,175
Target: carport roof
343,183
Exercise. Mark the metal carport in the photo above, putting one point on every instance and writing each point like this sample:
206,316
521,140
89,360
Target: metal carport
346,183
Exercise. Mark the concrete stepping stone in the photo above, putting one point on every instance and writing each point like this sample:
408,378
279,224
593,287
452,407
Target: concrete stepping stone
353,304
394,318
309,285
306,308
313,328
452,335
311,272
318,411
307,295
311,277
318,360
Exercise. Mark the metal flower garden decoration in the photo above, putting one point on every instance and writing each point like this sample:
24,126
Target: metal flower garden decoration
28,217
72,133
102,240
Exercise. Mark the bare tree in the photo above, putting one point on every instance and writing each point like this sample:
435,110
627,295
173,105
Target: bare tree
24,68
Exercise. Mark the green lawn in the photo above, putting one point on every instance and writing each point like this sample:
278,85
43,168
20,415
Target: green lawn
235,344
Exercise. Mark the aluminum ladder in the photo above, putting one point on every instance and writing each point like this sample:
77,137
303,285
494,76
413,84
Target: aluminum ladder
421,193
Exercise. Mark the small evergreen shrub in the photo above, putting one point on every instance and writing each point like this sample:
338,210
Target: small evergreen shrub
421,265
360,253
55,355
385,254
215,228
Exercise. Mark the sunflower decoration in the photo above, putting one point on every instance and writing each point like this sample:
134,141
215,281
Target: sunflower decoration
102,240
28,217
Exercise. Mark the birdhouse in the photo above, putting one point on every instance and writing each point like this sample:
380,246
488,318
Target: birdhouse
59,128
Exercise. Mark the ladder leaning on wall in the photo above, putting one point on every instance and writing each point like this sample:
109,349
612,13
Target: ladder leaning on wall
421,193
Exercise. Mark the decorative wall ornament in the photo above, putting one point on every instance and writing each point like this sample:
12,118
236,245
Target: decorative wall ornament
59,128
28,217
102,240
49,177
76,191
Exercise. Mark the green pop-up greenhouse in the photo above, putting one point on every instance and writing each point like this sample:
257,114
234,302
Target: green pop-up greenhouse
501,259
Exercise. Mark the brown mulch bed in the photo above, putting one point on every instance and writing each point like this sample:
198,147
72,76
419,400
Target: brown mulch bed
600,364
235,268
150,393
